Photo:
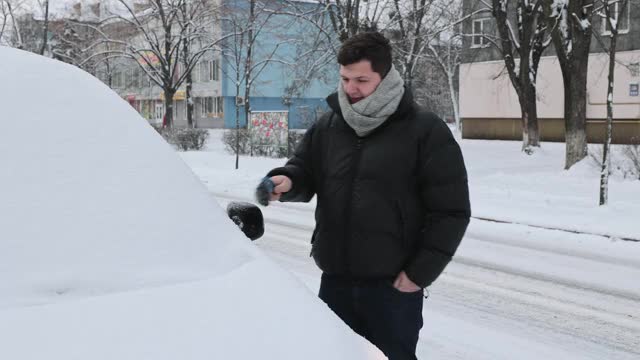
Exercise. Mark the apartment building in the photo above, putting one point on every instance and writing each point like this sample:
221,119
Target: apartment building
489,106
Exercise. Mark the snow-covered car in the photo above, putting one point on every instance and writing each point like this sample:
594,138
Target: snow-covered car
111,248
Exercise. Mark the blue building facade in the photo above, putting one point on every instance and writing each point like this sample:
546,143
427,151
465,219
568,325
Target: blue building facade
302,111
280,41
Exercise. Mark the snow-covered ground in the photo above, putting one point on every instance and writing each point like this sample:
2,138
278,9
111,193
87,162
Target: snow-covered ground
515,289
111,249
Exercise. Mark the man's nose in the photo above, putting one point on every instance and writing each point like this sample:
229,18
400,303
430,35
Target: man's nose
349,87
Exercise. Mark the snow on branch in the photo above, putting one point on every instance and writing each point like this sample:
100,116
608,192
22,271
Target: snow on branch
512,34
584,24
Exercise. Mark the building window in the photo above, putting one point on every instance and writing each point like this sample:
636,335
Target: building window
623,24
479,30
219,105
634,69
159,110
142,78
211,106
128,74
135,77
116,80
203,73
214,70
205,106
208,70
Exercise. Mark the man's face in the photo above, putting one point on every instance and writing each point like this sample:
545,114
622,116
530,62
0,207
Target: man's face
359,80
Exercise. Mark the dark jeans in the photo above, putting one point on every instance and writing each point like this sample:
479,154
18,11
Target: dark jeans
388,318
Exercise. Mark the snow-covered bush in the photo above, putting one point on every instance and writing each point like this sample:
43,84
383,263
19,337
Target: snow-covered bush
190,139
185,139
234,139
625,160
595,154
252,148
295,137
632,154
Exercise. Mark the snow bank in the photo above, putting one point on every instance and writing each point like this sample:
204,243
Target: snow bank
505,185
110,247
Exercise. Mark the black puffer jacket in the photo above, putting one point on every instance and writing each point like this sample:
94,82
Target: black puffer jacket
394,200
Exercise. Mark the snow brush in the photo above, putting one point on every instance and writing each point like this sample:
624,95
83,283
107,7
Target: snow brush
264,191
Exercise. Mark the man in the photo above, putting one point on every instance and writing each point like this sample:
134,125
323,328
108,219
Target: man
392,197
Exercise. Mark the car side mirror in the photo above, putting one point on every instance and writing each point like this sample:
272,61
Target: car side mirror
248,217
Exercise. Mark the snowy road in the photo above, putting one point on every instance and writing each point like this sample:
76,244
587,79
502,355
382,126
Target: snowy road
512,291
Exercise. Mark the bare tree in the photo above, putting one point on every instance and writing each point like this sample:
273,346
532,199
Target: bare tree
71,38
13,11
313,62
45,26
430,33
154,39
612,23
195,31
572,40
99,61
445,50
350,17
422,31
248,52
309,65
313,57
27,33
413,24
232,52
447,55
527,43
23,26
5,18
409,25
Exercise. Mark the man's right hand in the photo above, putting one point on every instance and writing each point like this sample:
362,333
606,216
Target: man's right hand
282,185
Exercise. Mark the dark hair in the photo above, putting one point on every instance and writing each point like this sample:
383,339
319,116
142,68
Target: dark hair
371,46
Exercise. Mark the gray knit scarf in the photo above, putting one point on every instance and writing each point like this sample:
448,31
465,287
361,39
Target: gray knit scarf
369,113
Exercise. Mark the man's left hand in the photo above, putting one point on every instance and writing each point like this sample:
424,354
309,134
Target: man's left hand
404,284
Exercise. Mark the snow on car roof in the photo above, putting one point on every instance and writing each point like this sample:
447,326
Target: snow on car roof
110,247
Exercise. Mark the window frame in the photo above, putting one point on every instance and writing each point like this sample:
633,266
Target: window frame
604,30
483,41
219,105
203,107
